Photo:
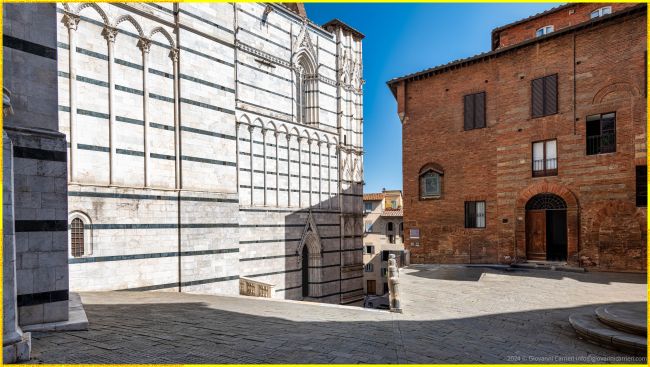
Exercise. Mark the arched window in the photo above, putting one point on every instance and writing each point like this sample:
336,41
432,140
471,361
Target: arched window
80,236
601,11
306,88
431,181
389,227
77,237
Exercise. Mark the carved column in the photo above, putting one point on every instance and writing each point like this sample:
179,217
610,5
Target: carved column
309,142
173,54
72,21
250,145
288,169
109,34
329,175
264,161
320,177
277,170
145,45
299,171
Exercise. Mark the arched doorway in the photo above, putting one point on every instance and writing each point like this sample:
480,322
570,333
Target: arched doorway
546,228
305,271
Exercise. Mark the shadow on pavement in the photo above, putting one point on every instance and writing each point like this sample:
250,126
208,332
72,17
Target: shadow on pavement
198,332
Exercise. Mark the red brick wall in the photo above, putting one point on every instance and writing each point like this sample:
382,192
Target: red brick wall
562,18
494,163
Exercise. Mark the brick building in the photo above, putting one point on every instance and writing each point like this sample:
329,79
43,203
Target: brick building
545,145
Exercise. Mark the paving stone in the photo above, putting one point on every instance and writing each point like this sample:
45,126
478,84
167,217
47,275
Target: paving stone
445,320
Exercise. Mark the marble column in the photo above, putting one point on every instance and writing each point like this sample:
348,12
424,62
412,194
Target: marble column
145,45
173,54
109,34
71,21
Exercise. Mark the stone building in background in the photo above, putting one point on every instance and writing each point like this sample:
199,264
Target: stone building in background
384,235
535,150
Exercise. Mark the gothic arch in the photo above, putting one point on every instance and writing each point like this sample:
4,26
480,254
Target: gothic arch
97,8
573,217
312,241
615,87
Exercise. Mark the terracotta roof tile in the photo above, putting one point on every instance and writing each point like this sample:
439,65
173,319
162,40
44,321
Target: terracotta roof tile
373,196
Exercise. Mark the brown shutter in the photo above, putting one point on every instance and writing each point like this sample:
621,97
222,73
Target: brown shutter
479,110
469,112
550,94
538,97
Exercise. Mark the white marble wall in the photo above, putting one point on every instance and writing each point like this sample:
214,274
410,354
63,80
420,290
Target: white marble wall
218,129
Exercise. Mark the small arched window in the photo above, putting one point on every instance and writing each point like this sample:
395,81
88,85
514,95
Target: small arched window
389,227
544,30
601,11
77,241
80,235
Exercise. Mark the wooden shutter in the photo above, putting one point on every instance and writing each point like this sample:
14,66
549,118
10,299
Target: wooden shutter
469,112
538,97
550,94
479,110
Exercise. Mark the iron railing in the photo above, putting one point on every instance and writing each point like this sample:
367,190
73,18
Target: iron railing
545,167
603,143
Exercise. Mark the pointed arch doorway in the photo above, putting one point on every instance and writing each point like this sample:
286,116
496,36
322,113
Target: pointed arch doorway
546,228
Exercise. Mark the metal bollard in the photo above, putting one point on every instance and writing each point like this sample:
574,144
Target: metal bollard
393,285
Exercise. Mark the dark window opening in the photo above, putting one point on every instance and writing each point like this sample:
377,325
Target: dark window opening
475,214
474,111
544,96
642,186
601,133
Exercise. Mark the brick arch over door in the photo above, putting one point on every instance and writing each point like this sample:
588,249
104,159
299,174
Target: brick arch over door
572,212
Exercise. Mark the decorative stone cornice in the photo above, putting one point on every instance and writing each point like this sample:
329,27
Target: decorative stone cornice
327,80
263,55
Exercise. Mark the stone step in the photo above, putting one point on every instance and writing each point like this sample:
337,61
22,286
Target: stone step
538,265
628,318
589,327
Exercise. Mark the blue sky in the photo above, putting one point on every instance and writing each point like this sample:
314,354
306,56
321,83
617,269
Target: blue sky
401,39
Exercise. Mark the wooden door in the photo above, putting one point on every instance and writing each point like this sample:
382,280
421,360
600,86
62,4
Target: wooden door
536,235
371,287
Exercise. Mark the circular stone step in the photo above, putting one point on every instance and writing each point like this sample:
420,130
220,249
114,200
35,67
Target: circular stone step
589,327
630,318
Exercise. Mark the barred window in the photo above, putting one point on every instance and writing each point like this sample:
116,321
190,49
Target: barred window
77,237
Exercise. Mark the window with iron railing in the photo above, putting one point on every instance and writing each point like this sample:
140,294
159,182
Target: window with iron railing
601,133
545,158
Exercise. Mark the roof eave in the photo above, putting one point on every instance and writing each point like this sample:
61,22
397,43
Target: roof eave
494,53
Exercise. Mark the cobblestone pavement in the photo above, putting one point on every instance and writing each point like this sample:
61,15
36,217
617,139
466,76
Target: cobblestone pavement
451,314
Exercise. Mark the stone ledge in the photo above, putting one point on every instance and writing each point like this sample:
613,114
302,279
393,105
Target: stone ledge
77,319
19,351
